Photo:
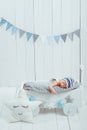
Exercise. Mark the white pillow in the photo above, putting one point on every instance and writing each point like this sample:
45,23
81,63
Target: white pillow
21,109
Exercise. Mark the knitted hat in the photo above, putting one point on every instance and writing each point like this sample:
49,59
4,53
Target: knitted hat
69,82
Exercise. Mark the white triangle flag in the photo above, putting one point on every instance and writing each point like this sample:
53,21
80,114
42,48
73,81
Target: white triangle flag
70,35
43,38
49,38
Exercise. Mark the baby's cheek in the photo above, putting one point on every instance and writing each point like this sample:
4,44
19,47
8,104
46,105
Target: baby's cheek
65,84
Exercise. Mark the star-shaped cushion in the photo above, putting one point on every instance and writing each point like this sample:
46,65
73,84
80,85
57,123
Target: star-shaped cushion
21,109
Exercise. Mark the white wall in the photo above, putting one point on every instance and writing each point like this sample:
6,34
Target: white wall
84,40
21,60
84,46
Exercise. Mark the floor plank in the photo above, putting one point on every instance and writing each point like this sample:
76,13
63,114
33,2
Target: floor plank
26,126
50,120
14,126
83,117
62,122
46,120
74,123
4,123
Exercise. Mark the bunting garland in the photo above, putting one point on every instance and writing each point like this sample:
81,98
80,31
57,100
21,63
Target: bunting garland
15,29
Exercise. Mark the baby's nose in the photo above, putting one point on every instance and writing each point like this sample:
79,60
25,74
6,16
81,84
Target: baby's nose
61,84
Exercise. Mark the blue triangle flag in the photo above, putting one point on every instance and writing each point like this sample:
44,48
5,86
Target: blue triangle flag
14,29
3,21
35,36
56,38
9,25
28,34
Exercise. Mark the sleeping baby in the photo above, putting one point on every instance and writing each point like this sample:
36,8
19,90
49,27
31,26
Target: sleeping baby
65,83
52,86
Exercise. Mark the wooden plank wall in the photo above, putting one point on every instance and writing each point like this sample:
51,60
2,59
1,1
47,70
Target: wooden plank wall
25,60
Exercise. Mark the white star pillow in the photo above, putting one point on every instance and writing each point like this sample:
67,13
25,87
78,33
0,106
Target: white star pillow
21,109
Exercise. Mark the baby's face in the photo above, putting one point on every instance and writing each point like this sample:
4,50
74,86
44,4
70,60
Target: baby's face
62,83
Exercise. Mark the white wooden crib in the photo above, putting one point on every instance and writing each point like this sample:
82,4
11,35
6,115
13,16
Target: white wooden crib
69,101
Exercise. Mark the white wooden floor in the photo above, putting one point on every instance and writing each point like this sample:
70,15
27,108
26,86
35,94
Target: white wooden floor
51,120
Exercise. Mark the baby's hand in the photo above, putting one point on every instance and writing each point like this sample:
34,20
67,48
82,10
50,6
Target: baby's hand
52,90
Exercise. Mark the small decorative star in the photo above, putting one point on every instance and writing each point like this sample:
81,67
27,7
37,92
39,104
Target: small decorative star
69,99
